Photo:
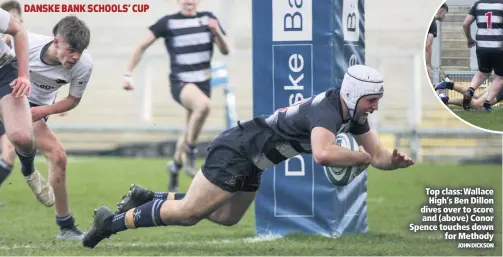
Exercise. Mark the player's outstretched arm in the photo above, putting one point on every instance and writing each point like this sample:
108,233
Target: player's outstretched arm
21,85
136,57
327,153
381,158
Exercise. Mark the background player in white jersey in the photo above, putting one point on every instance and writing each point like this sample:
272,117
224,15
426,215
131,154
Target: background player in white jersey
55,62
15,112
189,37
227,183
8,155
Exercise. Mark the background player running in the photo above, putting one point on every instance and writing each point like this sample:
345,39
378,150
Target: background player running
189,36
230,177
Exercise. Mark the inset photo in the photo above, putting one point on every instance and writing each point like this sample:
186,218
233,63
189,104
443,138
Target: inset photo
464,60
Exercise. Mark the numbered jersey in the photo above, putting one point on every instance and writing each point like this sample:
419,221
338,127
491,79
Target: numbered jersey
46,79
291,128
6,53
489,18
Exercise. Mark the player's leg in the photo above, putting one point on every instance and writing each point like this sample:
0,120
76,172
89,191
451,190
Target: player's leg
496,85
52,149
228,214
222,175
233,211
196,100
485,68
201,199
16,117
448,84
177,163
481,94
8,156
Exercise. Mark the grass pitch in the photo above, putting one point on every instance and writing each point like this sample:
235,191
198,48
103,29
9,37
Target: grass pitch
394,199
486,120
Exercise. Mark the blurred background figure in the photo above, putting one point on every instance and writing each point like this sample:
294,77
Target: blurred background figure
189,36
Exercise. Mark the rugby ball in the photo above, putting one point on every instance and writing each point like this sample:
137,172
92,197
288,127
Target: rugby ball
342,176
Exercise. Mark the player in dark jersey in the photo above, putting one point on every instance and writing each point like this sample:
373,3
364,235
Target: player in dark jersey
477,101
189,37
229,179
432,33
488,15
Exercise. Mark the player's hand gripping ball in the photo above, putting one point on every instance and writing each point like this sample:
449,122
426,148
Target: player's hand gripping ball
342,176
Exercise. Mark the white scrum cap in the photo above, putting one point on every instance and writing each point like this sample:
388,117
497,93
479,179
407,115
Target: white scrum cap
360,80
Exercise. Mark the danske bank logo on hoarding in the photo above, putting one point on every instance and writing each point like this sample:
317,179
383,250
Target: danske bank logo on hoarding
292,20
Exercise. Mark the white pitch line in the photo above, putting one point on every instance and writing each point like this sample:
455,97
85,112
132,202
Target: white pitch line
127,244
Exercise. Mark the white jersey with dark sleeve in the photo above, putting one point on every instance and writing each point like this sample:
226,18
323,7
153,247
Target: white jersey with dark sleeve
292,128
6,53
47,79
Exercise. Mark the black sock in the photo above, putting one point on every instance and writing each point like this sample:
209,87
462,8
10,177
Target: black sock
190,148
27,162
179,196
146,215
471,90
175,167
487,104
5,170
66,222
164,196
118,223
450,85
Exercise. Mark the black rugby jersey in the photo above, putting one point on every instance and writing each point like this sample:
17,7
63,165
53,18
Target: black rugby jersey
189,43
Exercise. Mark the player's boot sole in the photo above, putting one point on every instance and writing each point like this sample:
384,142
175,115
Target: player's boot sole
136,196
98,230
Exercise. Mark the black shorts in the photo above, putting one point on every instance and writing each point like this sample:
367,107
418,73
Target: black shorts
489,61
7,75
177,86
228,164
2,127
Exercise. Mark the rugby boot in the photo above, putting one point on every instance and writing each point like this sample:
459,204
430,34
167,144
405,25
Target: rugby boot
41,188
99,230
136,196
444,84
70,234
